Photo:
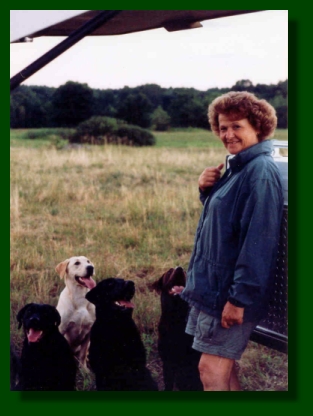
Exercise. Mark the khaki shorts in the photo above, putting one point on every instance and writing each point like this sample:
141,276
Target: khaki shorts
211,338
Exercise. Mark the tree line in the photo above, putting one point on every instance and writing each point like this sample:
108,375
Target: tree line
147,106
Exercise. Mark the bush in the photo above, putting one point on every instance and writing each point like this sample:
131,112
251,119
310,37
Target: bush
63,133
100,130
160,119
96,130
57,142
135,136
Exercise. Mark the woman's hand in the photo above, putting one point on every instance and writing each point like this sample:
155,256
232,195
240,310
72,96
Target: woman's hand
210,176
231,315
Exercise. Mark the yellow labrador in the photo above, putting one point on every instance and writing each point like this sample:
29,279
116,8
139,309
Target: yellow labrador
77,313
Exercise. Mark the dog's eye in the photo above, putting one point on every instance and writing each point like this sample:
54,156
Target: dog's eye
88,261
77,263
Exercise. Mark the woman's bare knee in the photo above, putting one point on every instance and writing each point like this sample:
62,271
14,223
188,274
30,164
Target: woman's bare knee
215,372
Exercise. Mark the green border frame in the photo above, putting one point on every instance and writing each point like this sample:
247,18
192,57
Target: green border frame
299,358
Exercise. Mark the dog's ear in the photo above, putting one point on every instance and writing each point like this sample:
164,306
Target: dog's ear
158,285
61,268
55,316
21,314
93,295
167,277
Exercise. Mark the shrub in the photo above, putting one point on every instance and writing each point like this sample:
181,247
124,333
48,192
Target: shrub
100,130
135,136
57,142
63,133
96,130
160,119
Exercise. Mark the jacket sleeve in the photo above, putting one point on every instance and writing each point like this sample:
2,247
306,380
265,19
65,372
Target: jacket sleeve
259,225
204,194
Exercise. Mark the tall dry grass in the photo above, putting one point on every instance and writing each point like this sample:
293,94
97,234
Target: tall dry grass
133,212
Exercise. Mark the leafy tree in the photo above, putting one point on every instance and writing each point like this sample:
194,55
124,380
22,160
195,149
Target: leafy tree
267,92
26,109
243,85
153,92
71,104
282,117
188,109
178,107
44,112
168,96
278,101
282,88
105,103
160,119
136,109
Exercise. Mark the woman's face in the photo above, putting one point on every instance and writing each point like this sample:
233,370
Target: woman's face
236,135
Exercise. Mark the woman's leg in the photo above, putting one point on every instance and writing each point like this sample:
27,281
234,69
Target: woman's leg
234,382
218,373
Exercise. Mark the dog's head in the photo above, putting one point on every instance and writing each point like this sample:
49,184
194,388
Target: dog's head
171,282
77,270
114,292
38,320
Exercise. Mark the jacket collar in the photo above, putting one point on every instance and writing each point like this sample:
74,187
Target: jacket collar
238,161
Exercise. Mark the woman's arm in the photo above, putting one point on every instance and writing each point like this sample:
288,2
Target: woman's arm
260,224
207,179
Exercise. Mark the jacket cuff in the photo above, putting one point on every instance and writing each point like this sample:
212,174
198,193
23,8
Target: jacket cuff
206,191
236,303
204,194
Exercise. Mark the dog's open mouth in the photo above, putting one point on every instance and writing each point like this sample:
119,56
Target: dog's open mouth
34,335
176,290
86,281
124,304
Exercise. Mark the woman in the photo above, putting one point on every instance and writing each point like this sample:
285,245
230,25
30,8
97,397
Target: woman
232,264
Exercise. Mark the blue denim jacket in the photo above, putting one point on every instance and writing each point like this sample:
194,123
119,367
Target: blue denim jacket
236,240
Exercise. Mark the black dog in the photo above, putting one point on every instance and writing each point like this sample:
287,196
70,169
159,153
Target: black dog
116,354
180,360
47,362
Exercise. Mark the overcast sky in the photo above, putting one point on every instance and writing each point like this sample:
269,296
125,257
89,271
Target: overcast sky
252,46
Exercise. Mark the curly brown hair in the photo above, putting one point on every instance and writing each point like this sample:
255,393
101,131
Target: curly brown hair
242,104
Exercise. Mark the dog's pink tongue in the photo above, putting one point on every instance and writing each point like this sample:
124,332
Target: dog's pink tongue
33,335
176,290
127,304
90,283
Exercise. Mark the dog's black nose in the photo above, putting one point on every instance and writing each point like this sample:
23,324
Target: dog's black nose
90,270
34,322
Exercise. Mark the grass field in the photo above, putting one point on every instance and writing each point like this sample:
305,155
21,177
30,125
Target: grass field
132,211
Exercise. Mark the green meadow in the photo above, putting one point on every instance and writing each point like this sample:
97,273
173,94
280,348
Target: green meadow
132,210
